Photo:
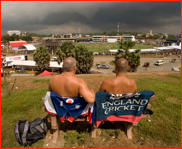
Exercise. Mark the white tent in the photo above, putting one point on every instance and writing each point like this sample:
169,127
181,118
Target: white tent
163,48
30,47
116,50
175,47
113,51
133,50
148,50
33,63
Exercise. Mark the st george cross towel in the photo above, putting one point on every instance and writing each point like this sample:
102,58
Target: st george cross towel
68,108
121,107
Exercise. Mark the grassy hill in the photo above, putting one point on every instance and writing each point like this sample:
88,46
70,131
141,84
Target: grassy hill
162,129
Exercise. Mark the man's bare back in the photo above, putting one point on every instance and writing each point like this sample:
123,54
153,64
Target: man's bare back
120,84
71,86
67,85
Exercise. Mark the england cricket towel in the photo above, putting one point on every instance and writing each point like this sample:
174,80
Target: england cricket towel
121,107
68,108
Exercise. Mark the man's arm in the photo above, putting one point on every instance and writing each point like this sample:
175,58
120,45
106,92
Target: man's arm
49,86
88,95
135,86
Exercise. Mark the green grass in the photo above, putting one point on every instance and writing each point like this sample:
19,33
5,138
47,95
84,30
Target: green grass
112,63
166,120
25,104
176,77
165,125
3,84
100,47
43,81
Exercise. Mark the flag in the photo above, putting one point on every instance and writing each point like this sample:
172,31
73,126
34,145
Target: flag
121,107
68,108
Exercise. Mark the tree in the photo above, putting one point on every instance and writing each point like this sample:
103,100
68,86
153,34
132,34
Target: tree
83,58
42,58
156,36
65,50
143,35
132,57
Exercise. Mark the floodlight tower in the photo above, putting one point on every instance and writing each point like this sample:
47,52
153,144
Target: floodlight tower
79,30
118,29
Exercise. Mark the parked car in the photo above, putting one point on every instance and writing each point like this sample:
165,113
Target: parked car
146,64
97,64
54,59
173,60
104,66
159,62
175,69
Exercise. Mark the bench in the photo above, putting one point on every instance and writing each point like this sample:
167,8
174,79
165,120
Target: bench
55,123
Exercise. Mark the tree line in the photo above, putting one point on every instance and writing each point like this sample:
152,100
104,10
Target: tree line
6,38
84,58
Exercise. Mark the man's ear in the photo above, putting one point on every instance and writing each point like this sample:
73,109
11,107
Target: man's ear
75,69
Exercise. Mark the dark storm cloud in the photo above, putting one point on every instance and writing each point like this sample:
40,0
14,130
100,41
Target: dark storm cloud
142,14
52,17
64,18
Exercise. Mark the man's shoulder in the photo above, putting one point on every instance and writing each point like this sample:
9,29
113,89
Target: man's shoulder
107,81
132,81
55,78
80,80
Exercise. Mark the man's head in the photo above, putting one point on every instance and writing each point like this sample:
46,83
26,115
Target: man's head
121,65
69,64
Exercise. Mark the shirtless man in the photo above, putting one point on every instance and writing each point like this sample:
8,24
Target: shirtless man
120,84
67,85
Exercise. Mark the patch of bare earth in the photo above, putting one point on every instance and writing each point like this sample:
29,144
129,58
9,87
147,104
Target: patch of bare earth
93,80
104,140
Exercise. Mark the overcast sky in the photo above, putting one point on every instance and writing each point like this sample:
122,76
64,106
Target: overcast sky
57,17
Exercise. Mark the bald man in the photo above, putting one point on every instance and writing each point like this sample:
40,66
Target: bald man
120,84
67,85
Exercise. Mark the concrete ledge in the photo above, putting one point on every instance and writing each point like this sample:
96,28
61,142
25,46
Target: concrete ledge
22,75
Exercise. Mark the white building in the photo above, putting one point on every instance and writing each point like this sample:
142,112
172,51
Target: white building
16,32
128,37
97,38
112,39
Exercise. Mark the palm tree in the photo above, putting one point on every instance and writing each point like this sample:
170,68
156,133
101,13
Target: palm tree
65,50
132,57
83,58
42,58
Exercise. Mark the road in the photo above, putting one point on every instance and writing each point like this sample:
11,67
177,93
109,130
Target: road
165,67
152,68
